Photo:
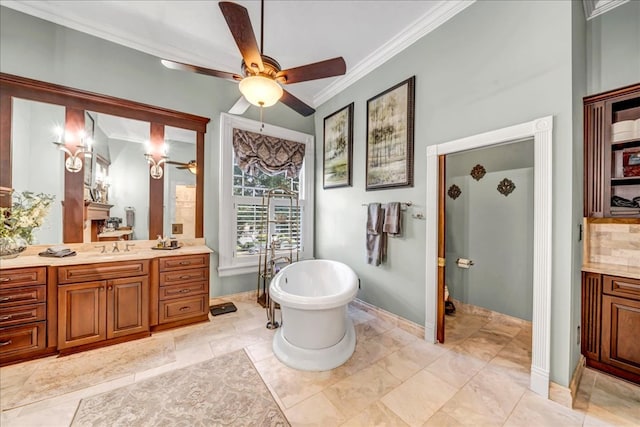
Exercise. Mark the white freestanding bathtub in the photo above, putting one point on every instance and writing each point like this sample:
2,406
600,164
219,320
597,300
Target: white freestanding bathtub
316,333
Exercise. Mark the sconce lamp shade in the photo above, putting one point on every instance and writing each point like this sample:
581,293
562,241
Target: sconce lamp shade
260,91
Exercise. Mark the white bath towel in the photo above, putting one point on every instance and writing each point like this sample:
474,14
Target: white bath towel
392,219
376,239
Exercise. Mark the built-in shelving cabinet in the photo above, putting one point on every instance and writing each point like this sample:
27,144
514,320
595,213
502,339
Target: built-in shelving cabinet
612,154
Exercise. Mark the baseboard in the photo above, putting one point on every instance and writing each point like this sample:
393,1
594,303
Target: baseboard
400,322
566,396
241,296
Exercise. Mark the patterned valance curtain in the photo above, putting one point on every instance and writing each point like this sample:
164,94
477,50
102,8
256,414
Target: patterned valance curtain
270,154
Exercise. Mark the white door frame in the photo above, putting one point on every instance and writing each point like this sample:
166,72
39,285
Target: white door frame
541,130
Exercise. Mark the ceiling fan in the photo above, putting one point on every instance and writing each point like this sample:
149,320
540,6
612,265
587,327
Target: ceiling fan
262,76
191,166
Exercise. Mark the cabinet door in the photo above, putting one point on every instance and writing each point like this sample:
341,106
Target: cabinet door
594,159
127,306
620,326
591,310
81,314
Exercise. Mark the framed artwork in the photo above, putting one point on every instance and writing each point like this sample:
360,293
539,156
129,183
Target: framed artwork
338,148
390,120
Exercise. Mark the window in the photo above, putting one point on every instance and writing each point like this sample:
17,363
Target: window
242,213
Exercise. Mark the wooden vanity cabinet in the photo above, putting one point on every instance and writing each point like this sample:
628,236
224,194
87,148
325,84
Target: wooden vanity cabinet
23,313
611,323
102,303
183,291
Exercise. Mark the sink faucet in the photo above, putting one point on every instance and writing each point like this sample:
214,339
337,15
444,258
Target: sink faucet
115,247
127,246
103,247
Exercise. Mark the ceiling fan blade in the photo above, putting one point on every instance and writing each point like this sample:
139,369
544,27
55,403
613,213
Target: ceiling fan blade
317,70
296,104
239,23
171,162
240,106
200,70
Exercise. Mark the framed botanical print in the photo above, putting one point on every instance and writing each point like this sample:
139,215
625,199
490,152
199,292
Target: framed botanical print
338,148
390,122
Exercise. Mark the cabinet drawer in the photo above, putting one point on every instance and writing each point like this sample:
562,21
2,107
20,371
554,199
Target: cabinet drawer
182,262
184,290
22,339
183,308
12,277
22,314
21,296
102,271
175,277
622,287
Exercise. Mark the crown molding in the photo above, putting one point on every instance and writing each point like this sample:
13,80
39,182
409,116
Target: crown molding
441,13
593,8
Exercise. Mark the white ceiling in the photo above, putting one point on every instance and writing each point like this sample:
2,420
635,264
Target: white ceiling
365,33
296,32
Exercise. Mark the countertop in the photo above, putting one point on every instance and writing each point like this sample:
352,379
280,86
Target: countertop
612,270
87,253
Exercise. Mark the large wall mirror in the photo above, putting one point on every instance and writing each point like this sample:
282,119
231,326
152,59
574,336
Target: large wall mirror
143,176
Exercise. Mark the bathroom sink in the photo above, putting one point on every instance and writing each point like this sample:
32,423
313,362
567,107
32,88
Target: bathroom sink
107,256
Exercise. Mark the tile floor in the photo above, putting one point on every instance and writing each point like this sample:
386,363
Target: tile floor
479,377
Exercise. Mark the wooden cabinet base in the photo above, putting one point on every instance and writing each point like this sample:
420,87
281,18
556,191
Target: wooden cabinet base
185,322
77,349
621,373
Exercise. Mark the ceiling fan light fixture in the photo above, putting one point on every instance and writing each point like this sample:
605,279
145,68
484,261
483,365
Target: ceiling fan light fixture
260,91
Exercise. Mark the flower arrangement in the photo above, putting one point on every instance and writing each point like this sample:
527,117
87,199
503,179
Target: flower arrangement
27,213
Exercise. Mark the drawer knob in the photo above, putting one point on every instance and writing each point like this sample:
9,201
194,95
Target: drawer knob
185,277
3,299
5,279
3,343
6,317
185,262
185,291
184,308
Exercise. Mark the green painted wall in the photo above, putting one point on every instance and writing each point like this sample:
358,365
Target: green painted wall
41,50
496,64
613,48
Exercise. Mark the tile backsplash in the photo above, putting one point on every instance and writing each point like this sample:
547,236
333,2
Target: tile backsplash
614,244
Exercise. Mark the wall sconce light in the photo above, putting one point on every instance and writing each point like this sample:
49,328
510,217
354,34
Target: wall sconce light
156,171
74,161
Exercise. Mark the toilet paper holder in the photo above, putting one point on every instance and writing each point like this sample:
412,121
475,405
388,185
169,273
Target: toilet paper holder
464,263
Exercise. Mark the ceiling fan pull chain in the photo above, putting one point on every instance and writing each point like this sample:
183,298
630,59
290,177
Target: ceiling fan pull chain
261,121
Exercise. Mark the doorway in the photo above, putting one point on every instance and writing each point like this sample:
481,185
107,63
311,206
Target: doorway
541,131
489,228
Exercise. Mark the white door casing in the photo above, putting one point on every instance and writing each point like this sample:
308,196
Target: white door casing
541,130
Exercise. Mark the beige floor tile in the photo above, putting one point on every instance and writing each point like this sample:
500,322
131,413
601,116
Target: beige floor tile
411,358
314,411
488,398
376,415
418,398
503,327
372,328
352,394
581,402
260,351
533,410
456,368
441,419
614,401
359,316
292,386
484,345
367,352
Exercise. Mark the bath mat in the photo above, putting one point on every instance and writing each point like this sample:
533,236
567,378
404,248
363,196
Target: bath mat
223,391
226,307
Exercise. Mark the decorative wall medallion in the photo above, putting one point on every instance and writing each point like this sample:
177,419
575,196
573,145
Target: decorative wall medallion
478,172
454,192
506,187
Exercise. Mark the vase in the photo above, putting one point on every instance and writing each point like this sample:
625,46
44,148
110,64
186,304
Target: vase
12,246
